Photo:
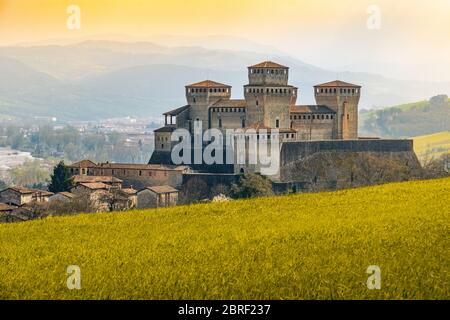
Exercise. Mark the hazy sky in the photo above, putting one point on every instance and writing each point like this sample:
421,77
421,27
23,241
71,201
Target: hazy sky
412,42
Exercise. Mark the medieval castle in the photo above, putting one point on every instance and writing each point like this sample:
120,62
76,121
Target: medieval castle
270,103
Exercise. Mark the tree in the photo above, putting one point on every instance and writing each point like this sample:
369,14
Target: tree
194,190
2,185
252,185
60,179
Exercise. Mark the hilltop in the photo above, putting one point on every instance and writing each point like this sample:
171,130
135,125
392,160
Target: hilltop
408,120
307,246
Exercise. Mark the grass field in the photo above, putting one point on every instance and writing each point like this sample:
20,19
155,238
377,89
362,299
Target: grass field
310,246
433,145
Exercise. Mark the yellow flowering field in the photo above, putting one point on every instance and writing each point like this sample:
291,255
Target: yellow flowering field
307,246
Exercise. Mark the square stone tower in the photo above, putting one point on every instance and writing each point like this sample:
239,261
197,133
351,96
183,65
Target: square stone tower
343,98
268,95
202,95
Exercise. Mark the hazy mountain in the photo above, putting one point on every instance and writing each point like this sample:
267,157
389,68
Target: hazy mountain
100,79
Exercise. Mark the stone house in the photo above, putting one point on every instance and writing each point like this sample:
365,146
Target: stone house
19,196
62,197
15,214
137,175
156,197
98,193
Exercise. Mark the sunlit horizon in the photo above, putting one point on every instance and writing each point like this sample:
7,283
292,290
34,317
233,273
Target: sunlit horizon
411,42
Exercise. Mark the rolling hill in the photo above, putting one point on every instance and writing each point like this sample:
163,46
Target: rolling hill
408,120
310,246
433,145
102,79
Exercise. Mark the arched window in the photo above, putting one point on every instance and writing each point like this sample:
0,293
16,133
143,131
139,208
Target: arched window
277,123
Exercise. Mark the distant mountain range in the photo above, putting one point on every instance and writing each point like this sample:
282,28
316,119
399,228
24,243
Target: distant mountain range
102,79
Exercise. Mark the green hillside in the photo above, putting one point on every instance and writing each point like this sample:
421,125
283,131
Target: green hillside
433,145
408,120
310,246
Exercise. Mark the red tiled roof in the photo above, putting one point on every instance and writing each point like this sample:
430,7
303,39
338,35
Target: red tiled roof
90,179
337,83
124,166
67,195
268,64
162,189
310,109
83,163
235,103
23,190
95,186
129,191
208,84
177,111
5,207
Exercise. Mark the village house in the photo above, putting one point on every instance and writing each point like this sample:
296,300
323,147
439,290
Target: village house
123,199
19,196
156,197
62,197
15,214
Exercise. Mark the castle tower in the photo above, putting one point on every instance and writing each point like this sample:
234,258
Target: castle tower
200,96
268,95
343,98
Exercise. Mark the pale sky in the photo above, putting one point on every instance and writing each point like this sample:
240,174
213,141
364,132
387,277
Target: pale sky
412,42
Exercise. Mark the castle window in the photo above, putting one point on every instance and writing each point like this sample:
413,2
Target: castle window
195,100
257,102
140,173
334,90
277,123
323,116
272,71
292,136
353,91
327,116
348,117
309,117
220,123
321,90
331,117
243,123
